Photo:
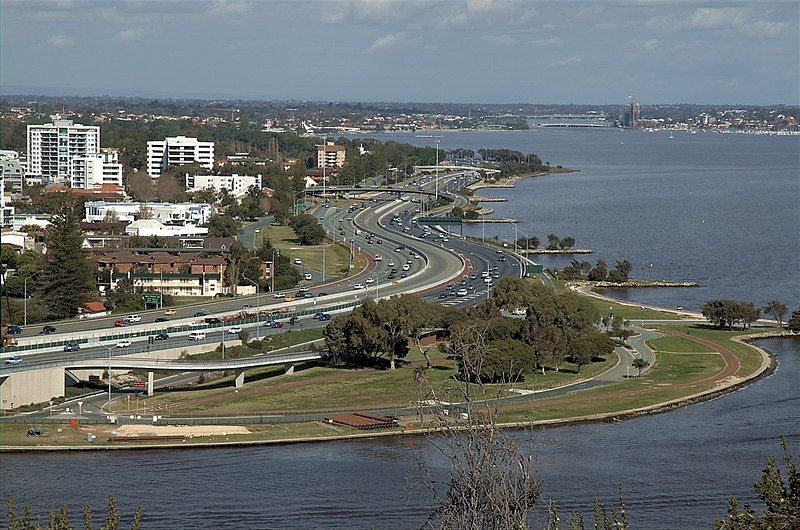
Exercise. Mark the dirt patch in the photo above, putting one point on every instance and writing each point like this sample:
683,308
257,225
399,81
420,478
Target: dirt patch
179,430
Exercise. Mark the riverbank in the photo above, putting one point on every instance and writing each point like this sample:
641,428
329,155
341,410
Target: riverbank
510,182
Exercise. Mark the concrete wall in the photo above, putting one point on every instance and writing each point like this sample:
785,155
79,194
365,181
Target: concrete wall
35,386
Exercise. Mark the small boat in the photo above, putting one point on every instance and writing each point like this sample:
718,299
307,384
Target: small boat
680,308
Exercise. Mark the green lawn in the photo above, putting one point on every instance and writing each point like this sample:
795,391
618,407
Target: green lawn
671,343
337,258
270,343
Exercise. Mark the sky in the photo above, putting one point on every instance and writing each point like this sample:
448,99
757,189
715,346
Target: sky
479,51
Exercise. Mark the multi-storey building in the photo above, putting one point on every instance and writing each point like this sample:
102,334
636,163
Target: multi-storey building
237,185
330,155
53,146
178,151
96,168
167,213
11,173
7,212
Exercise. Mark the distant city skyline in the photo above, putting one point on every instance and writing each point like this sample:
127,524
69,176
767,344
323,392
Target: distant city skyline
479,51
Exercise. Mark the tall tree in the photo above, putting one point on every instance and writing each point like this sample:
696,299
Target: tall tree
777,310
68,275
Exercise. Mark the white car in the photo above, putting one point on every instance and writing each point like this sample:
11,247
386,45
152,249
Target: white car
14,360
235,330
358,286
132,319
307,276
446,239
406,267
461,292
123,344
391,263
297,261
370,281
279,295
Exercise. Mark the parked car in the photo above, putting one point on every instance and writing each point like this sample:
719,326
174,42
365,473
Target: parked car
235,330
72,347
46,330
125,343
170,312
161,336
14,360
13,330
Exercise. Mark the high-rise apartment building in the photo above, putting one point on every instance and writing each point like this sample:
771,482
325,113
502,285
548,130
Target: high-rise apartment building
178,151
53,146
330,155
96,168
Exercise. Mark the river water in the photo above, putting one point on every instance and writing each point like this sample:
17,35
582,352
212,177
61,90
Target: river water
678,468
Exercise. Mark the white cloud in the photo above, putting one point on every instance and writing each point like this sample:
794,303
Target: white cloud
128,35
567,62
60,41
650,45
224,7
741,19
499,40
545,44
384,42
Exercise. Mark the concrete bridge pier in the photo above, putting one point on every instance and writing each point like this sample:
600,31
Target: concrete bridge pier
239,381
150,384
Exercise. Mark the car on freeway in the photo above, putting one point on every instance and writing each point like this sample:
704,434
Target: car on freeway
213,320
294,320
162,319
119,324
14,360
471,287
170,312
496,275
323,293
288,298
46,330
380,241
443,294
318,315
123,344
404,275
161,336
307,276
132,319
369,281
276,325
461,292
406,267
324,317
72,347
446,239
233,330
499,251
463,282
279,295
247,306
391,264
358,286
201,314
13,330
487,280
473,276
297,261
501,258
391,276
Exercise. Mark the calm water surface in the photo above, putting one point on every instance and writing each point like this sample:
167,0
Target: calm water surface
719,209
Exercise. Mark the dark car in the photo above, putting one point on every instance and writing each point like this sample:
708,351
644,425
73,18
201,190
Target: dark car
391,277
322,294
442,295
162,319
119,324
318,315
72,347
14,330
213,320
201,314
324,317
294,320
276,325
46,330
161,336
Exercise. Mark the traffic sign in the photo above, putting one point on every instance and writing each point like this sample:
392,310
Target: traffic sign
138,384
150,298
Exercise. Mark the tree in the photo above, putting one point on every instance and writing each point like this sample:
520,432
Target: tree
599,272
68,275
621,271
777,310
59,519
222,225
552,242
124,297
505,360
307,229
728,313
794,321
640,364
781,499
567,242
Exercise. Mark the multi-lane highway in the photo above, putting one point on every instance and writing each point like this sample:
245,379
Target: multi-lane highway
413,259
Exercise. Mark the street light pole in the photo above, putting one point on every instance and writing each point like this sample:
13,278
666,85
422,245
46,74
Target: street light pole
25,296
437,169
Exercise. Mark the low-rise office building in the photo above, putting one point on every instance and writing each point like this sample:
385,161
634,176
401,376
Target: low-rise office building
237,185
178,151
95,169
165,212
330,155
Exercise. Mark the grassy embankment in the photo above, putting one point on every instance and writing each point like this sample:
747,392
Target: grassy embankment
337,257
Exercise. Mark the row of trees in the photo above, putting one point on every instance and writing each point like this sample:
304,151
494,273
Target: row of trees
580,270
726,313
60,520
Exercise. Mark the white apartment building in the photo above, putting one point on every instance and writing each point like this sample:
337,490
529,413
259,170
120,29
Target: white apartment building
176,151
53,146
96,168
237,185
330,155
7,212
11,173
168,213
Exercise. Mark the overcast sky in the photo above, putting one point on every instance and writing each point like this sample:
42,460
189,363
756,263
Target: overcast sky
414,50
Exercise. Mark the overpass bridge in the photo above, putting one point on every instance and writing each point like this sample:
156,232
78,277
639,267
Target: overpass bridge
454,168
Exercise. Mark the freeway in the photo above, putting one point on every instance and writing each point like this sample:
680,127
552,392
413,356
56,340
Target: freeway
382,225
